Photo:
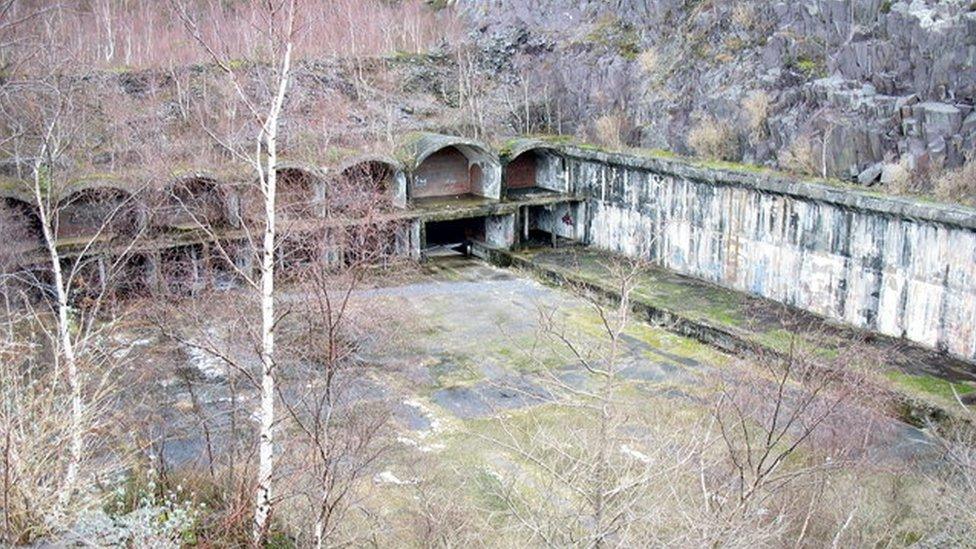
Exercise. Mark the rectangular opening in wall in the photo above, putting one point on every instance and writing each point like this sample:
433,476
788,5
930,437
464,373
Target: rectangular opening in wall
453,236
553,225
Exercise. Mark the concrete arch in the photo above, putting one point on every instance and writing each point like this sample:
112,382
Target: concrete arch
533,165
20,222
137,276
301,191
300,194
191,201
382,172
99,208
446,166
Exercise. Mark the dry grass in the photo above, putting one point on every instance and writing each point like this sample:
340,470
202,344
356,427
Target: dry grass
756,106
958,185
800,156
649,61
36,499
901,179
610,129
744,15
710,139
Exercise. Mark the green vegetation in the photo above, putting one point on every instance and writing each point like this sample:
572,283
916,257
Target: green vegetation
809,66
437,5
413,57
616,35
336,154
454,370
929,385
235,64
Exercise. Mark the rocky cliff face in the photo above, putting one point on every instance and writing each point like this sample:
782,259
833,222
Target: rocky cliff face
846,87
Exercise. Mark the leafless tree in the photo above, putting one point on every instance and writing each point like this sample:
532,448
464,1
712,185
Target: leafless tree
603,470
341,432
79,256
278,34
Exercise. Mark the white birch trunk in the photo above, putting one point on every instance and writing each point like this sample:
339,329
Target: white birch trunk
319,533
75,444
263,503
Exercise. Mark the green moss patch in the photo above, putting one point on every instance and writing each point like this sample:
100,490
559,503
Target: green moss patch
929,385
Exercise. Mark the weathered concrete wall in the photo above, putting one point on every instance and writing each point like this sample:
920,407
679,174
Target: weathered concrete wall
539,168
895,266
443,173
550,172
566,220
500,231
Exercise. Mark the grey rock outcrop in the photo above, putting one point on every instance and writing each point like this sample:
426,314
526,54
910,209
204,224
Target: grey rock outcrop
867,80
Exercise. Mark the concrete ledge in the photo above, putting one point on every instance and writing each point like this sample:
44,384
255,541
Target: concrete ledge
908,208
733,340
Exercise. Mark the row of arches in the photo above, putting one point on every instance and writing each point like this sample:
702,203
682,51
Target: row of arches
188,268
431,167
105,209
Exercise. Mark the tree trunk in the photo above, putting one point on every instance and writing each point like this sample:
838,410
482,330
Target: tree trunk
75,444
263,504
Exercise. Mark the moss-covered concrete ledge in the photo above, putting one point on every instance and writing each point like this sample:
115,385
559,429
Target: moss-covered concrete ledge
769,181
919,380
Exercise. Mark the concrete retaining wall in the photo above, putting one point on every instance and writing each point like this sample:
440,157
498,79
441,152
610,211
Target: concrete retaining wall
895,266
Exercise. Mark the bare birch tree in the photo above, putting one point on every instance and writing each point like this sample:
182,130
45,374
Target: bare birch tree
66,275
277,33
340,438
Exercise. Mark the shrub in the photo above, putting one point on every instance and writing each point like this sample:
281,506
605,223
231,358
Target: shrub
958,185
800,156
899,179
648,61
162,521
36,499
744,16
808,67
616,35
610,129
756,106
709,139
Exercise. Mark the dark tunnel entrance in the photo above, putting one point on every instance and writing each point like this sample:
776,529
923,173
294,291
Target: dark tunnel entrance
453,236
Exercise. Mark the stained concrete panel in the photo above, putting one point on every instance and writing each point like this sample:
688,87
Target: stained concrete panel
902,276
444,173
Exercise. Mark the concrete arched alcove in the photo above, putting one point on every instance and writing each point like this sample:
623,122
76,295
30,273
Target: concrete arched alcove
301,191
20,222
531,165
445,166
186,270
137,275
372,176
300,194
191,202
103,209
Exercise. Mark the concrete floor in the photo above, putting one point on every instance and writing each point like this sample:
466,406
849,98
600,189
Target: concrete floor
466,346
